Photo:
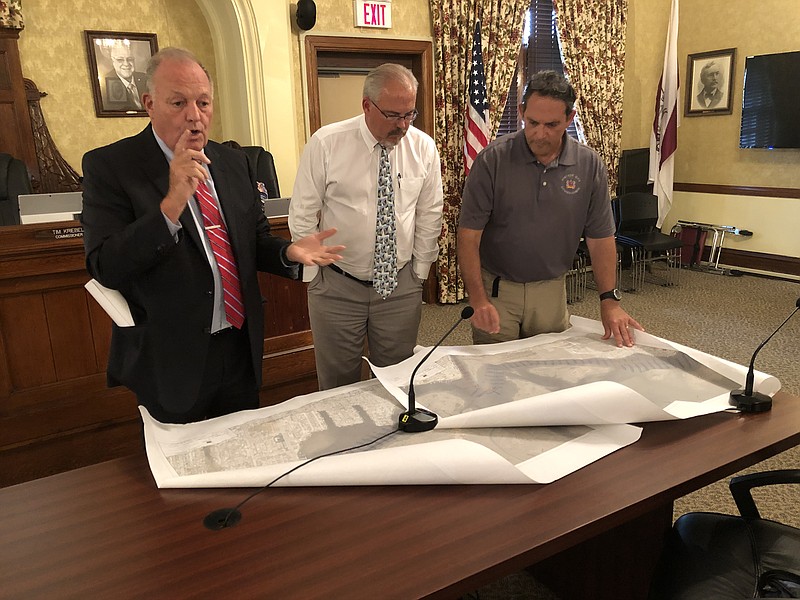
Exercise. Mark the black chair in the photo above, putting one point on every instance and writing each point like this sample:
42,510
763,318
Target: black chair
582,255
577,277
14,181
263,164
636,214
712,555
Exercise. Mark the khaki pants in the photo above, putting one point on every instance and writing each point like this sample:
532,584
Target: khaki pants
526,309
344,313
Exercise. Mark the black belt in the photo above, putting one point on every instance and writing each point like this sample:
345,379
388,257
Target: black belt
346,274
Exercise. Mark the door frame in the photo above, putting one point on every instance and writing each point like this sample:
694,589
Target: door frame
368,53
326,49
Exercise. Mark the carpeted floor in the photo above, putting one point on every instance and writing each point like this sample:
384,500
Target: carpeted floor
719,314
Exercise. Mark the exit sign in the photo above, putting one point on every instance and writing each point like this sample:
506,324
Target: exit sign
373,14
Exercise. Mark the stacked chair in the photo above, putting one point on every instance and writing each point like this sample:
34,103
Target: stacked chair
577,277
636,215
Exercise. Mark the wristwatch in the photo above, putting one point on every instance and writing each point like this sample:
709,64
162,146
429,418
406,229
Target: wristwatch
611,295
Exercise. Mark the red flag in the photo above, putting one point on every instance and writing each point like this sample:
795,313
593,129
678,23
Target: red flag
664,137
476,127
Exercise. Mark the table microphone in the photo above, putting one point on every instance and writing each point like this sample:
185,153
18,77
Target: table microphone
747,400
417,419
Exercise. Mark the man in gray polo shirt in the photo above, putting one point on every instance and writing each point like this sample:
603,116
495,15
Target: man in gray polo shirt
529,198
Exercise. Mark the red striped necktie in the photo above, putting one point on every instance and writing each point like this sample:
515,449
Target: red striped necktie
221,246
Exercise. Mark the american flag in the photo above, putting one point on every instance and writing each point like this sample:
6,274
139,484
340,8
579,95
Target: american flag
476,127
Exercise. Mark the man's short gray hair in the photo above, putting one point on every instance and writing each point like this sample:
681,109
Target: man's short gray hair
176,54
378,78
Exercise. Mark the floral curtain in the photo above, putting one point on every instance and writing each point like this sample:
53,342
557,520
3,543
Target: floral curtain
11,14
453,25
593,44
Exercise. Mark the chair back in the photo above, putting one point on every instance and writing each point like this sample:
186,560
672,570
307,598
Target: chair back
636,212
14,180
263,164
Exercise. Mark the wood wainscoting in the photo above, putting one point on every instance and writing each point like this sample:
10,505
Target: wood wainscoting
775,264
56,412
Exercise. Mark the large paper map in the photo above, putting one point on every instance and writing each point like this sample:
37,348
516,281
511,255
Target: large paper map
529,411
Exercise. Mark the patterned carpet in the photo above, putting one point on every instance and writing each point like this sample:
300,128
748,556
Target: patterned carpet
719,314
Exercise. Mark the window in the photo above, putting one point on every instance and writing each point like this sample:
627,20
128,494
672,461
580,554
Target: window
540,50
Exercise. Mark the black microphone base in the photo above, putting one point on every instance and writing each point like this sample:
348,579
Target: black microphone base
417,420
222,518
751,403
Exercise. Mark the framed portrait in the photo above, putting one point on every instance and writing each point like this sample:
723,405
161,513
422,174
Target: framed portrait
709,89
117,65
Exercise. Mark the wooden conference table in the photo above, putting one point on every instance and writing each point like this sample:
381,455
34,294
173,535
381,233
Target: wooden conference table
105,531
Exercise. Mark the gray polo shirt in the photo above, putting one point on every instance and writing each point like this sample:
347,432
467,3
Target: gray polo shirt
533,215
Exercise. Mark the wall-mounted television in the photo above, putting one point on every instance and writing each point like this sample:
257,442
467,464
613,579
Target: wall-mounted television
771,95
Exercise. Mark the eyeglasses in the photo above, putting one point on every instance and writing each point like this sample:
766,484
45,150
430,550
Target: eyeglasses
128,60
395,117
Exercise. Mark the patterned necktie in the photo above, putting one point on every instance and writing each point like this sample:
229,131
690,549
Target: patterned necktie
384,275
221,246
133,95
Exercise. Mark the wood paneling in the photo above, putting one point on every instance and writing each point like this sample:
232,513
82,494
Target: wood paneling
16,133
24,327
774,263
56,412
738,190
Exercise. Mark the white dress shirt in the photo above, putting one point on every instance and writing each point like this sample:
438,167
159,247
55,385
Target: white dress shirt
337,186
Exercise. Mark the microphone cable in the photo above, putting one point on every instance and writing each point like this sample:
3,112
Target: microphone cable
228,517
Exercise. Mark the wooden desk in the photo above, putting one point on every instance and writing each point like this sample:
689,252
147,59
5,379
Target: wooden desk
56,412
105,531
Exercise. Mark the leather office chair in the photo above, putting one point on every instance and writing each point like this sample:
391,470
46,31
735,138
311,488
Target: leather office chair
262,163
636,214
711,555
14,180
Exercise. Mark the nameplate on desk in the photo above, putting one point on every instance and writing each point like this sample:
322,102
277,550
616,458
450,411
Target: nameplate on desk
59,233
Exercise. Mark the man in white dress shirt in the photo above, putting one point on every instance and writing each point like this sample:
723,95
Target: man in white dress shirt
337,186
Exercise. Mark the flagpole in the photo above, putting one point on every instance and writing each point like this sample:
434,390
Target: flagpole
664,136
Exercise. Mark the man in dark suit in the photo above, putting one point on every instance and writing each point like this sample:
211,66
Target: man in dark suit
124,85
149,205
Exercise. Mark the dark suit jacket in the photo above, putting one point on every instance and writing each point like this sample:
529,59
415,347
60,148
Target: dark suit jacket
715,99
167,285
115,94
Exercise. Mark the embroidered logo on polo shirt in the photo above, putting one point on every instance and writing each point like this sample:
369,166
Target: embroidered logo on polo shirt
570,184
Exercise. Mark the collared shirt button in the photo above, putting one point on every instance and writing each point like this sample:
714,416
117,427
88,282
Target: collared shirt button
544,183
